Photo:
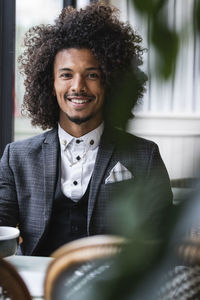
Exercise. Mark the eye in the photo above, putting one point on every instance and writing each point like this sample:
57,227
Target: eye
93,76
66,75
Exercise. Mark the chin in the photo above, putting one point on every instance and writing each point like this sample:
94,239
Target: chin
79,120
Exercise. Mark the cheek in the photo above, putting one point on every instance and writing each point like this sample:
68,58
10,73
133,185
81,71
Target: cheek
61,86
99,91
60,92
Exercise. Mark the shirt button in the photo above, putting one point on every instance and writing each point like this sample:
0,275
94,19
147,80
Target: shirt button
78,157
64,142
75,182
91,142
78,141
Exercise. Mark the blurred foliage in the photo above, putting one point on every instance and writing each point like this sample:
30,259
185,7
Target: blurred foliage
144,215
197,15
125,97
162,35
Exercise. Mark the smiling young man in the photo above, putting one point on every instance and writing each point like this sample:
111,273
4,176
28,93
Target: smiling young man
58,186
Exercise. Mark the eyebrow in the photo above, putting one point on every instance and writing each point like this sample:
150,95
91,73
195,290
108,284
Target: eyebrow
93,68
87,69
65,69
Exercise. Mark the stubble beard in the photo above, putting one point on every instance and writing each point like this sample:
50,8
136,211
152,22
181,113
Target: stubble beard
78,120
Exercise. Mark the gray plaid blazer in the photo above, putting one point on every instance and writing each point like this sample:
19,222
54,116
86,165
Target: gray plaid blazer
28,177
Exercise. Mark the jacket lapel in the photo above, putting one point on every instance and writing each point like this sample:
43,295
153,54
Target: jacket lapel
104,154
50,155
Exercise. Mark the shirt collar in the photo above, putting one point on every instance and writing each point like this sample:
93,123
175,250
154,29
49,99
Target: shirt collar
90,139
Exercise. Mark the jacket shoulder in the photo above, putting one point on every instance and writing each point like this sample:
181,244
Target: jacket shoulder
32,144
35,141
131,139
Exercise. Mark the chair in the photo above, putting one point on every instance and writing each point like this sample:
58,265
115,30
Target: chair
12,286
183,188
189,182
78,264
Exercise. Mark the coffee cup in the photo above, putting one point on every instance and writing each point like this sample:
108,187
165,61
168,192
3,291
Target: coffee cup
9,237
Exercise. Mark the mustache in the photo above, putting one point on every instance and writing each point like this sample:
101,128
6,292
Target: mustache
77,95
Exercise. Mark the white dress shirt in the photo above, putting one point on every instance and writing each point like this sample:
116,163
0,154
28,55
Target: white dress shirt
78,157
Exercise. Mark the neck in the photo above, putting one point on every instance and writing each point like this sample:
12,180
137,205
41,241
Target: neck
78,130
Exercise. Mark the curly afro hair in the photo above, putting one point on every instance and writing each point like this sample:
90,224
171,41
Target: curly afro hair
115,45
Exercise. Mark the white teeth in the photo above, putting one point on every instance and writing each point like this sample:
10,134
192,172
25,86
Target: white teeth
78,101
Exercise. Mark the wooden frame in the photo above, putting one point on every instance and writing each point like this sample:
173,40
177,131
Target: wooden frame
12,282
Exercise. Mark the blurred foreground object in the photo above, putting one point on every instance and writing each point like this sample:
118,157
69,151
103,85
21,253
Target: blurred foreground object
12,286
79,264
183,281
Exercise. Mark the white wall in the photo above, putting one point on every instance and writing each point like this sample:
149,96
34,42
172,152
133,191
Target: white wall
178,137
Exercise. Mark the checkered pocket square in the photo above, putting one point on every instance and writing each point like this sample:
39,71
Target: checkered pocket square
118,173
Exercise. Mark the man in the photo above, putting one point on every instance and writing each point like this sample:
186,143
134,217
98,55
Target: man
57,186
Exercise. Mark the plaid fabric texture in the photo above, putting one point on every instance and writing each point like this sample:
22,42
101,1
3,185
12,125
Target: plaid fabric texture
182,283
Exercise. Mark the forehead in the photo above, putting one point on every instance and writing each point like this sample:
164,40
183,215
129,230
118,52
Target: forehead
72,57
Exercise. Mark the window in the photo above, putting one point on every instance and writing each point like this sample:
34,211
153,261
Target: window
28,14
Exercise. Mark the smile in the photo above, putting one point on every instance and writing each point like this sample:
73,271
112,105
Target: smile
82,99
79,101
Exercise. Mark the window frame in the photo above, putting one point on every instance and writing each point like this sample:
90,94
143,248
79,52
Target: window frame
7,71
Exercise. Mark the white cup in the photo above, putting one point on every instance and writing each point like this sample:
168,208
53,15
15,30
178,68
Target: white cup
9,237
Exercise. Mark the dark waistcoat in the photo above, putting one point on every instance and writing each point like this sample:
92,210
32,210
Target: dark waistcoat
68,221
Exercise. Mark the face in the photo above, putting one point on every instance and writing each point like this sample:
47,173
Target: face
78,87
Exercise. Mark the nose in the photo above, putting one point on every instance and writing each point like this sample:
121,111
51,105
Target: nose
78,84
